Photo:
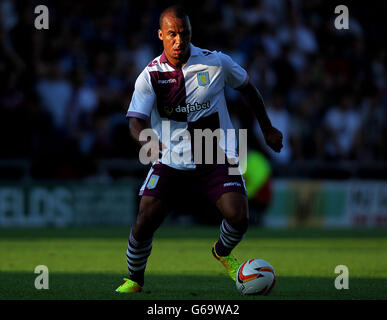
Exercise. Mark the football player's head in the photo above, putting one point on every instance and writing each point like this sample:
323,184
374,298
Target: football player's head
175,32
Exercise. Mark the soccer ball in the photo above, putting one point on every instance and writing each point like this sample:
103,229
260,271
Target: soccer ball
255,277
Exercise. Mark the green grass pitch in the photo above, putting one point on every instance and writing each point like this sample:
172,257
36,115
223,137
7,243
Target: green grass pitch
88,264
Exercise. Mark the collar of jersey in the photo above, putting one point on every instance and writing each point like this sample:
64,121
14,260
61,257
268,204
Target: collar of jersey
193,52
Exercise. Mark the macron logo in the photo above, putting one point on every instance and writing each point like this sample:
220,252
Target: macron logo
166,81
231,184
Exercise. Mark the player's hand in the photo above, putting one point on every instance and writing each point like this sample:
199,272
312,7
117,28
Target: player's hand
273,138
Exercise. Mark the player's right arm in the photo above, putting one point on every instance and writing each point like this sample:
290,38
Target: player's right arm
136,126
139,112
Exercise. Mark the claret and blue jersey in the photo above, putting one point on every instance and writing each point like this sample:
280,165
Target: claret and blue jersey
188,97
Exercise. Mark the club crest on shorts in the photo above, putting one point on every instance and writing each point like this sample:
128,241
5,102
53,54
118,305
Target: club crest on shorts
203,78
152,181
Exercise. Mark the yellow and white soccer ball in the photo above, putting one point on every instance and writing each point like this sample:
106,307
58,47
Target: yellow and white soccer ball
255,277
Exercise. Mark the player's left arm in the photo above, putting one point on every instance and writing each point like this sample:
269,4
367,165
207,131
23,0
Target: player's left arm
236,77
254,100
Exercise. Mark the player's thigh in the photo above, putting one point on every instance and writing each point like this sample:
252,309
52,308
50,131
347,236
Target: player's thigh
234,207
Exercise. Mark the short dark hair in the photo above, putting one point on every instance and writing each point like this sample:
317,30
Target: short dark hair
177,10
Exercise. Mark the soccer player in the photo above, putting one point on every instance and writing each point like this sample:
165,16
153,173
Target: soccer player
185,86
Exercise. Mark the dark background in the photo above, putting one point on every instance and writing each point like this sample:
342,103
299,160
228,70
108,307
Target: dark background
65,91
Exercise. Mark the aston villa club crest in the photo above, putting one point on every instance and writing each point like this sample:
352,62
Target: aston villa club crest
203,78
152,181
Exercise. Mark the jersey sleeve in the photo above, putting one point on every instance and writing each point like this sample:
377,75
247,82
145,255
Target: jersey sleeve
143,98
234,75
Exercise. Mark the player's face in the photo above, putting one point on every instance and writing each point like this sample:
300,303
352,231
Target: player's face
176,36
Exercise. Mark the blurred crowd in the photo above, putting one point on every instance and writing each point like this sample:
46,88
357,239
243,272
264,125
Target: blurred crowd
65,91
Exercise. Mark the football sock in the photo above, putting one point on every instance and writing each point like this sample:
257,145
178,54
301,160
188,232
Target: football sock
229,238
137,256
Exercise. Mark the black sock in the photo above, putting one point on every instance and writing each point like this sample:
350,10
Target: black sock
228,239
137,256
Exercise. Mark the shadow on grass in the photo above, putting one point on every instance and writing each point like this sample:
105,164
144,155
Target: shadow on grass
86,286
195,231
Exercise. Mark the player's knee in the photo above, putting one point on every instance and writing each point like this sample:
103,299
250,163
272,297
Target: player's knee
150,216
239,222
238,218
143,229
146,219
236,214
